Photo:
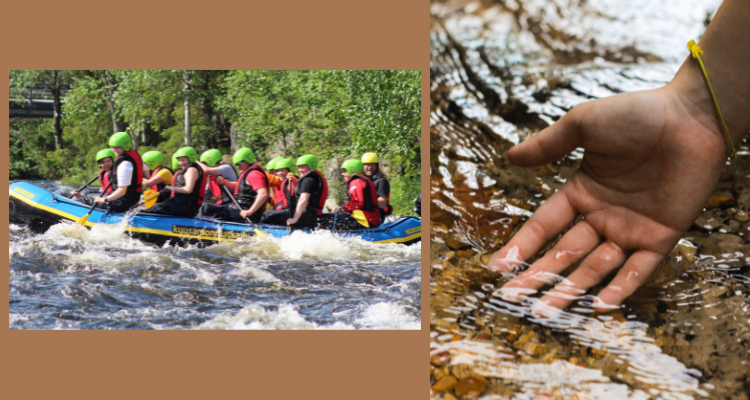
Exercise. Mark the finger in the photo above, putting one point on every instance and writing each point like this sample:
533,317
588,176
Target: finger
551,143
544,225
636,271
573,246
597,265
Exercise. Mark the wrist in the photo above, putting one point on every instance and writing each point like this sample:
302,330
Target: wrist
691,90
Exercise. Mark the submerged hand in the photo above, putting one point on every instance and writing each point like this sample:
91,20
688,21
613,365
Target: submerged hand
651,161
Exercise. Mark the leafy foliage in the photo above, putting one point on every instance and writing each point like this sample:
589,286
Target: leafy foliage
332,114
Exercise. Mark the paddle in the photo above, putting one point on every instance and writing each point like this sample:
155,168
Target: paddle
150,197
291,203
226,190
361,218
85,218
85,186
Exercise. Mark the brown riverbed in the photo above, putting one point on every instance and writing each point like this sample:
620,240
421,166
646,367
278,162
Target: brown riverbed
501,71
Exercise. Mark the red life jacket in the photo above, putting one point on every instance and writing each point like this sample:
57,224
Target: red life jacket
370,199
287,192
135,186
159,187
104,180
215,189
278,194
198,189
317,199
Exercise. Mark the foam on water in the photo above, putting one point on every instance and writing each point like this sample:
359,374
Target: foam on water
325,246
16,319
255,317
248,271
388,316
111,236
104,279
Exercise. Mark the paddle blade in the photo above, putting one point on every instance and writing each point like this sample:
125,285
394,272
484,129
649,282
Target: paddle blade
150,197
361,218
83,219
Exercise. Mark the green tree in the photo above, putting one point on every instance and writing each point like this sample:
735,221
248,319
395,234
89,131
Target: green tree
55,81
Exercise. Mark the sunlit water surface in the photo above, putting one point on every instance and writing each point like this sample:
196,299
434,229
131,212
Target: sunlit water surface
501,71
74,278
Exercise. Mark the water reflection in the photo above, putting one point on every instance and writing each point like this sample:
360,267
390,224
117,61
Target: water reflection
501,71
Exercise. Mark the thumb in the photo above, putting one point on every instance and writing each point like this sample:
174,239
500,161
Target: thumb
551,143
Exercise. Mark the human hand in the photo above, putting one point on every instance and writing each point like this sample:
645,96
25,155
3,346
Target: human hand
76,194
291,221
651,162
99,200
245,213
220,180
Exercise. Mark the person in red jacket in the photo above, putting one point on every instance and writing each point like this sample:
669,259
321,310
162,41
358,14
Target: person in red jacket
250,191
362,196
106,159
126,178
305,199
283,192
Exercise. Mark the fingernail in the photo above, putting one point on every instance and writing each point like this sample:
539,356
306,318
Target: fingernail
600,305
508,263
542,309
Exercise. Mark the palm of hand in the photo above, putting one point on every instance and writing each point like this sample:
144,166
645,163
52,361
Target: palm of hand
648,169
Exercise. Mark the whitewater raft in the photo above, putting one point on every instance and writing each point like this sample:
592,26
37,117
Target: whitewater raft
39,209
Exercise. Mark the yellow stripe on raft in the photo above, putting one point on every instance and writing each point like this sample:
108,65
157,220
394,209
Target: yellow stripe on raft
49,209
168,233
25,193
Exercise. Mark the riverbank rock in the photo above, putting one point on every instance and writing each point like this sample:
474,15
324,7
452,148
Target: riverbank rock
471,387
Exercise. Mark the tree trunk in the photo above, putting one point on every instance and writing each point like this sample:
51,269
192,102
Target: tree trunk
186,78
57,104
233,137
143,133
223,127
135,137
283,138
118,124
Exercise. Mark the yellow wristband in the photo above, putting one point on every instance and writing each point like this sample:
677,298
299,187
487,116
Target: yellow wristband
696,52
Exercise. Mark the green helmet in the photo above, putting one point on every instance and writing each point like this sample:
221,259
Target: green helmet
284,163
121,139
104,153
244,154
273,164
211,157
153,159
353,167
188,152
309,160
175,164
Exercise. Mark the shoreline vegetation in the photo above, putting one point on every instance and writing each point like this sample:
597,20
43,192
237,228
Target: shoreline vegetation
334,115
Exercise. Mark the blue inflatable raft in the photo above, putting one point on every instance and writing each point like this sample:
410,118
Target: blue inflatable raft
39,209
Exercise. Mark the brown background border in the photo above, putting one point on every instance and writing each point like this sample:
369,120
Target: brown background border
322,34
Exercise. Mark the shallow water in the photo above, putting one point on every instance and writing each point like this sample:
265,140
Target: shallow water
74,278
501,71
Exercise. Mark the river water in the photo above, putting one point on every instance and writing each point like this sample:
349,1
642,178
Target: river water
74,278
499,72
